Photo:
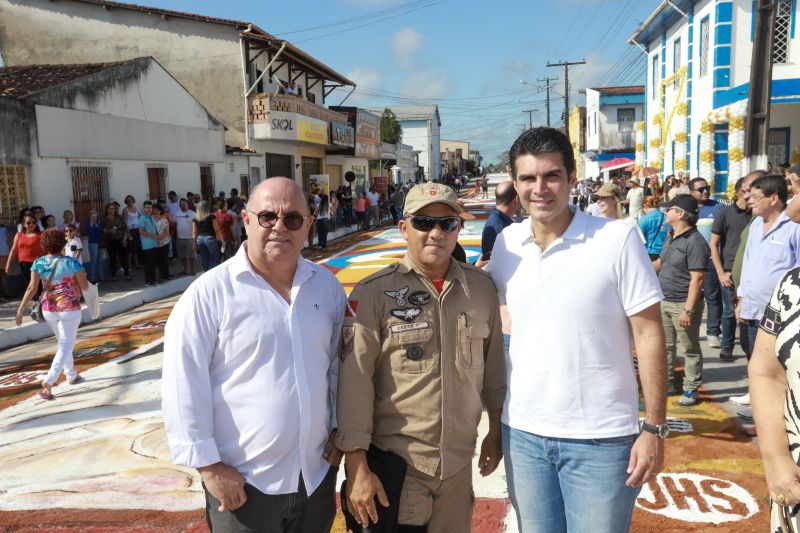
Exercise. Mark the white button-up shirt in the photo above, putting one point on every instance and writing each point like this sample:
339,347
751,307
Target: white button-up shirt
249,379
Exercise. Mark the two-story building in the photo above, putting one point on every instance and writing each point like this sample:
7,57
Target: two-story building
421,124
698,82
269,94
611,113
454,156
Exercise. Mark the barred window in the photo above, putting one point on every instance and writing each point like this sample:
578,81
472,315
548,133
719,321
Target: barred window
89,187
13,190
705,39
783,23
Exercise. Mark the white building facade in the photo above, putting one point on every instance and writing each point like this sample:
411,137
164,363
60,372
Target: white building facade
79,136
421,125
698,82
611,115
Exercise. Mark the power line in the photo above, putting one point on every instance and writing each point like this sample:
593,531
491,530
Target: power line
566,65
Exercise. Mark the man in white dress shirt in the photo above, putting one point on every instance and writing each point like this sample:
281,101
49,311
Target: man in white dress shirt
250,374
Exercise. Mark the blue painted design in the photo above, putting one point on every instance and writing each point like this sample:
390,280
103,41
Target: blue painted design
722,55
724,34
794,17
783,92
622,99
722,77
721,138
689,82
721,157
720,185
698,156
753,21
724,12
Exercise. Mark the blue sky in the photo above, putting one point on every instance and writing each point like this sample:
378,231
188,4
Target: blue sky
468,56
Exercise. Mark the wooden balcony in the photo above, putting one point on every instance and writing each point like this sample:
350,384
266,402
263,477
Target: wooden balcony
262,103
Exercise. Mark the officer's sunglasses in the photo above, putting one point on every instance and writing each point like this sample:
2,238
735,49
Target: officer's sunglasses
267,219
424,223
701,190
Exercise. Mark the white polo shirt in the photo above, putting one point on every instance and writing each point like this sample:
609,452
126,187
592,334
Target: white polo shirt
571,373
250,379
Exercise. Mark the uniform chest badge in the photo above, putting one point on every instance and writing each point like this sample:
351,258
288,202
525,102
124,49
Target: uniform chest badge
398,295
414,353
407,314
419,298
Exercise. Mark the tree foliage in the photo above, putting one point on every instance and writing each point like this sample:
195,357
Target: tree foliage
391,130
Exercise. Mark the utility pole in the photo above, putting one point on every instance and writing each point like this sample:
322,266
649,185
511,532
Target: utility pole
547,88
757,126
566,65
530,116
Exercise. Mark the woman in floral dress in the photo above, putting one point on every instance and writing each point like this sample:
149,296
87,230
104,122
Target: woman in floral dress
63,279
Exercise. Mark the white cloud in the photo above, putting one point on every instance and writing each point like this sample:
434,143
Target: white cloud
366,77
406,44
426,84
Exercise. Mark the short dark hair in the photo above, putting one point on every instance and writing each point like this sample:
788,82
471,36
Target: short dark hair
172,193
53,241
147,202
505,193
738,186
542,141
693,181
771,184
234,191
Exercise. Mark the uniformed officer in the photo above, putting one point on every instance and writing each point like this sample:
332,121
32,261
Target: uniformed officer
422,352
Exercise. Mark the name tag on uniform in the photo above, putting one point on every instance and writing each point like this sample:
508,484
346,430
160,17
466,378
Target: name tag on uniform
399,328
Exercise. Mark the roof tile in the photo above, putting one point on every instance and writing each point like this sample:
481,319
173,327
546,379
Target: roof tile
24,80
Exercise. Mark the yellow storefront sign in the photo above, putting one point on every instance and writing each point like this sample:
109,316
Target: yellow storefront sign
313,131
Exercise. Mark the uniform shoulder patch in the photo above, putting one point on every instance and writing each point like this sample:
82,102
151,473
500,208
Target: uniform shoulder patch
348,342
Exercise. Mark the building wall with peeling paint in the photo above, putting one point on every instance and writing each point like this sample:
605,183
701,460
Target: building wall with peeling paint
205,58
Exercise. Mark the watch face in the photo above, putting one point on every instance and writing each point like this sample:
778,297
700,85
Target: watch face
663,431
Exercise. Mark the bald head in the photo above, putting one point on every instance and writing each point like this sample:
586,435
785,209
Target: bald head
278,189
505,193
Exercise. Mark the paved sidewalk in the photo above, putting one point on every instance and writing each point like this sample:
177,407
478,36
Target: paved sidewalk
115,297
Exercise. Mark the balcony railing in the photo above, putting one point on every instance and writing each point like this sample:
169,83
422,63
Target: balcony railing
262,103
617,140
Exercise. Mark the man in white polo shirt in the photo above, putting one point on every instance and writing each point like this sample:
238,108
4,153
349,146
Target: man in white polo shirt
574,455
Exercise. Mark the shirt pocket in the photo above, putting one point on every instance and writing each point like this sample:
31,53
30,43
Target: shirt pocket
472,335
412,351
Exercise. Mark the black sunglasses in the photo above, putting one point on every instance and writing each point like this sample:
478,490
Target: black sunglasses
703,189
267,219
424,223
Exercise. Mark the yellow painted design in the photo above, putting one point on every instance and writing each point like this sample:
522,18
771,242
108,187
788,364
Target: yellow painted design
683,109
639,147
680,164
707,156
732,465
735,154
640,126
736,123
707,127
681,137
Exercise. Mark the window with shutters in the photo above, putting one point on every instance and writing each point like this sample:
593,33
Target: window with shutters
156,182
13,190
89,188
783,24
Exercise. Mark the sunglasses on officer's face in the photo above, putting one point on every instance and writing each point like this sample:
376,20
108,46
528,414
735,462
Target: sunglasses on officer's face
701,190
425,223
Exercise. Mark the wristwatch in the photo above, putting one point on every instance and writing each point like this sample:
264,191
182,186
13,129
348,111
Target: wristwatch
689,312
660,430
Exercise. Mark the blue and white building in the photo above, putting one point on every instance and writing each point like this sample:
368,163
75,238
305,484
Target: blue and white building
698,82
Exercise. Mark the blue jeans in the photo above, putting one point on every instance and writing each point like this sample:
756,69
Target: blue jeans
712,291
94,262
559,485
208,248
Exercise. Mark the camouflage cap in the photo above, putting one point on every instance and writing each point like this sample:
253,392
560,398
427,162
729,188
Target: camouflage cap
430,193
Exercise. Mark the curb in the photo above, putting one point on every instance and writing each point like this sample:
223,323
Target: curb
33,331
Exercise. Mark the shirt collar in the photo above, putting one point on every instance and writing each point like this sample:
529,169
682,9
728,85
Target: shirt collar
455,271
686,233
576,231
240,264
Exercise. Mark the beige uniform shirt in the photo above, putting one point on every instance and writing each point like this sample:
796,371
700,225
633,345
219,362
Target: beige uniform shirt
417,365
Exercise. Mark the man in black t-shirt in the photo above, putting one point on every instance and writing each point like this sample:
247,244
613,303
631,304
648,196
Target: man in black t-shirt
681,269
726,234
